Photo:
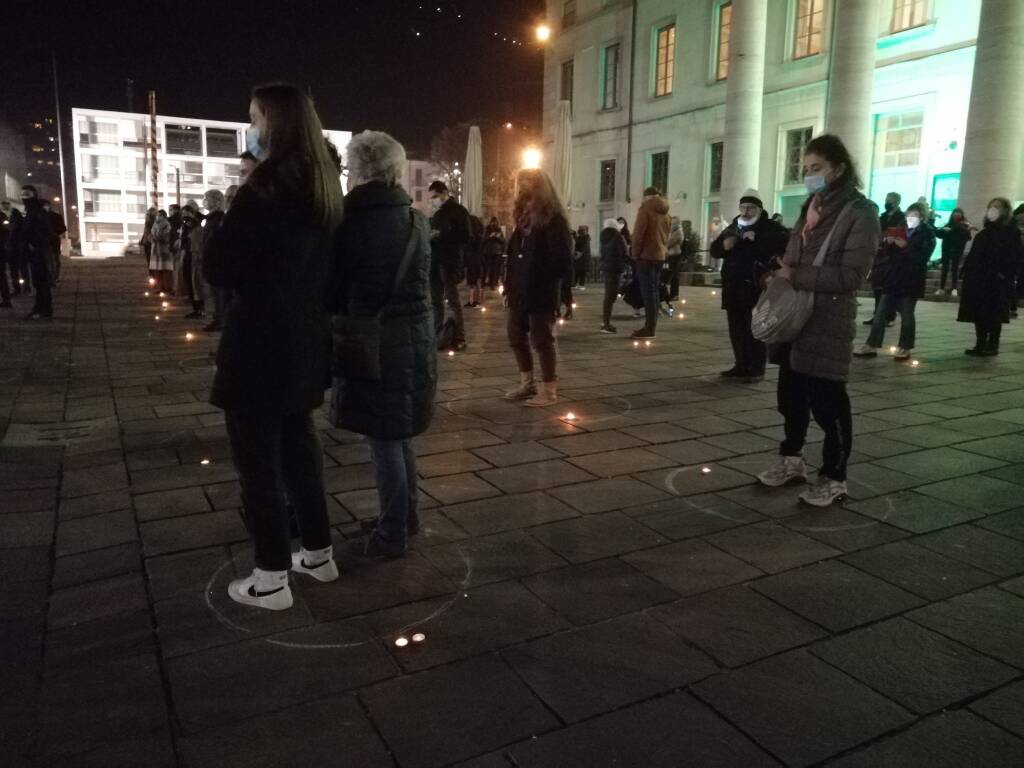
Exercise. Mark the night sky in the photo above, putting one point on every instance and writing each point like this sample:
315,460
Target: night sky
361,59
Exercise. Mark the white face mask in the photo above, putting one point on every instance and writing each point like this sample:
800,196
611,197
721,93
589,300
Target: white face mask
993,214
913,222
815,184
744,222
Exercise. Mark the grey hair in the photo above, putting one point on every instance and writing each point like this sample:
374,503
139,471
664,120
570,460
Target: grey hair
215,194
375,156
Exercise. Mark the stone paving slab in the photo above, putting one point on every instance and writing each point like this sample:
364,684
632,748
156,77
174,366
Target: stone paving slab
614,589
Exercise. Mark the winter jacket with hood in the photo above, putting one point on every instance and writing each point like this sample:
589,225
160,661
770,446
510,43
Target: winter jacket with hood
908,267
650,233
370,245
539,262
614,251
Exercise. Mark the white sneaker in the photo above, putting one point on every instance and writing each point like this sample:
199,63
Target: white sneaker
547,395
522,392
824,493
954,293
901,354
940,292
866,351
326,570
786,470
263,589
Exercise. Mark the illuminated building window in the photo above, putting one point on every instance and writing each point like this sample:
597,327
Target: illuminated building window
657,171
810,22
716,150
898,139
610,55
796,143
907,14
724,36
664,60
606,173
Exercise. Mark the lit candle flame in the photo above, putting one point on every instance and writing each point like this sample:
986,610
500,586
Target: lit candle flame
204,461
189,337
156,317
570,416
419,637
401,642
451,353
647,343
706,470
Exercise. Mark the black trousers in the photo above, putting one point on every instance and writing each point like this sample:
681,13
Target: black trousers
275,453
675,263
750,354
988,335
800,397
444,287
5,287
581,267
44,292
950,264
878,298
612,280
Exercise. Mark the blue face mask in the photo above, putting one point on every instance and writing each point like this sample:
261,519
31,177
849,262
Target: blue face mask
252,140
815,183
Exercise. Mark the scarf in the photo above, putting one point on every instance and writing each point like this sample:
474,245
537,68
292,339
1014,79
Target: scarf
821,216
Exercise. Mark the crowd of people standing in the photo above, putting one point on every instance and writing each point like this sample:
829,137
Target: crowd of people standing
30,252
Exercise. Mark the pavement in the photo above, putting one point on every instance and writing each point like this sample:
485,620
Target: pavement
610,589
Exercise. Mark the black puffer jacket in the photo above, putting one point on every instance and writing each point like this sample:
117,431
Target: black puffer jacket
747,262
988,274
273,353
955,237
369,249
614,251
538,262
908,270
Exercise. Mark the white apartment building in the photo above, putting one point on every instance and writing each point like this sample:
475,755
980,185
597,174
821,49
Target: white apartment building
648,83
112,173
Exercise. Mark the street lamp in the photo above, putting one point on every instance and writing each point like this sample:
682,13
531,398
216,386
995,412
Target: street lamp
543,33
531,158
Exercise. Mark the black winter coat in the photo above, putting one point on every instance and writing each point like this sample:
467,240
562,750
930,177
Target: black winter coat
369,247
455,230
494,241
31,238
886,251
908,269
954,239
538,262
988,275
614,251
273,353
747,262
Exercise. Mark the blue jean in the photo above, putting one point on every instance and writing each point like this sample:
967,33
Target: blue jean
648,274
887,306
395,464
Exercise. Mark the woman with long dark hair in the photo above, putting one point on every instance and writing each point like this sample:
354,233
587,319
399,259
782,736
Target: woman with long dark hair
273,252
954,236
840,224
988,278
539,263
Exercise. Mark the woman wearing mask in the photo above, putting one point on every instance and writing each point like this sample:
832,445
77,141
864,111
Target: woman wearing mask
273,251
614,258
382,269
838,222
161,259
955,236
624,229
539,261
988,278
904,285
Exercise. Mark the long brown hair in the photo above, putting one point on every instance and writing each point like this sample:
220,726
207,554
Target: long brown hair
297,162
537,202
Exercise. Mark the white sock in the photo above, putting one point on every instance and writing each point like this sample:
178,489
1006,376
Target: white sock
267,581
315,557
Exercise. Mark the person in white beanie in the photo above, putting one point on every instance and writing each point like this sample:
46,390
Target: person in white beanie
746,247
614,256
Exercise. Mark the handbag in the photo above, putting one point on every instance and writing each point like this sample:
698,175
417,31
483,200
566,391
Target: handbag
782,311
356,338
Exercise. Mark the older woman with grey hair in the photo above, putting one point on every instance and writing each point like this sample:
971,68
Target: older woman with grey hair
385,361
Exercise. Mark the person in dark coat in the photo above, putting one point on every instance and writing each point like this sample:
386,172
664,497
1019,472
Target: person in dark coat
33,238
893,226
380,227
539,260
57,231
493,253
614,259
273,250
213,201
451,232
988,278
624,229
904,285
581,257
955,236
474,263
10,217
746,247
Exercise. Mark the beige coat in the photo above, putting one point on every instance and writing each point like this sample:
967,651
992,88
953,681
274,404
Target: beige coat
650,234
825,345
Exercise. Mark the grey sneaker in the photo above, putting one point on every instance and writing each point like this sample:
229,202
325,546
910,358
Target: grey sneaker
786,470
824,493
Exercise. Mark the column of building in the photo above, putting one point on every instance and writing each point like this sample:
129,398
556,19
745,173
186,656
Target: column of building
852,77
744,97
994,143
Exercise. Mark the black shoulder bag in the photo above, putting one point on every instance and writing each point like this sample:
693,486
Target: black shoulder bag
357,337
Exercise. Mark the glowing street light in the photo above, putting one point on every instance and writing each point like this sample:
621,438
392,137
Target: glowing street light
543,33
532,158
508,126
